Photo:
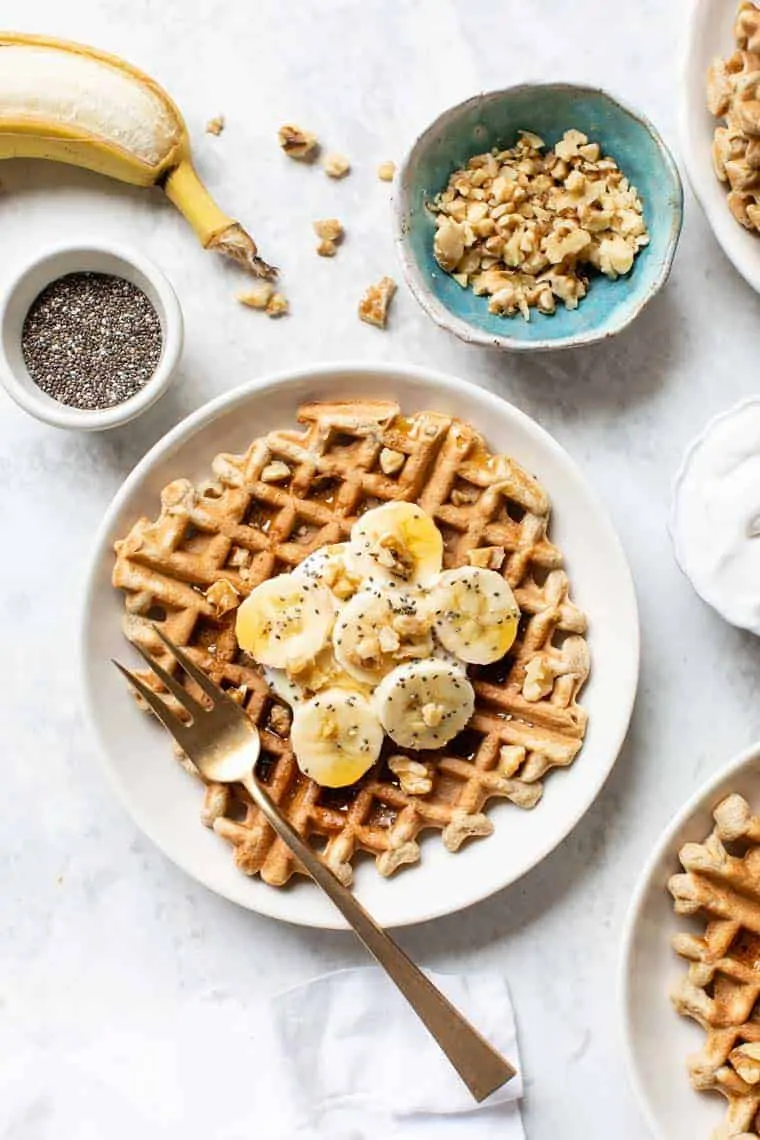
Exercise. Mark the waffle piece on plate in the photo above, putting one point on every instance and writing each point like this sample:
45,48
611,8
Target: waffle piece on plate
294,491
721,885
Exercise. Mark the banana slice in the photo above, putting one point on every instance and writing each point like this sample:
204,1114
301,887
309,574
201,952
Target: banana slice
378,630
423,704
336,737
285,621
475,614
397,543
282,686
303,680
328,565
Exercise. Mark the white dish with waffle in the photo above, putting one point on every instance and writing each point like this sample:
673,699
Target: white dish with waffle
659,1041
163,799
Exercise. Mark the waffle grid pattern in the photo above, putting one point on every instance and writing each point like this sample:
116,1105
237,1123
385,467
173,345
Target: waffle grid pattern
240,528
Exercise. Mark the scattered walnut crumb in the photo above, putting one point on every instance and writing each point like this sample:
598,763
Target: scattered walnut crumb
275,472
277,306
373,307
326,248
329,228
280,720
336,165
521,225
258,295
391,461
487,557
297,143
386,171
215,126
222,597
413,776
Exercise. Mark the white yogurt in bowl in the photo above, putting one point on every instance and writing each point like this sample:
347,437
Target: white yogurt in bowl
715,524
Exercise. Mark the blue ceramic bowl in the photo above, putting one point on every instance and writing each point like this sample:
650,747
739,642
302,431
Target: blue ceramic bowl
549,110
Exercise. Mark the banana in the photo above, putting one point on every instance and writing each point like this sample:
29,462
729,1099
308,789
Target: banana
397,543
475,614
424,704
336,737
285,622
328,565
377,630
70,103
303,680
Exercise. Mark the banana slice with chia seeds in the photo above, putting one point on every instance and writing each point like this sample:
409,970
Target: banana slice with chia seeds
328,565
285,620
424,704
336,737
475,614
380,628
397,543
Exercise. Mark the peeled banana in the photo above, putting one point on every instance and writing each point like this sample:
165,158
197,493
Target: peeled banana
69,103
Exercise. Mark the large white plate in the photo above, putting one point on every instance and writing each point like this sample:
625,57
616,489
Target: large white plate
711,34
658,1040
165,802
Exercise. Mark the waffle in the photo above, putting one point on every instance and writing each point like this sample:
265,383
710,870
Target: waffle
242,527
721,988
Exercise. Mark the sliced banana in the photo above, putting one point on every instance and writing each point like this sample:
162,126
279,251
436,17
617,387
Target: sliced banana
329,566
336,737
378,630
397,543
475,614
423,704
303,681
285,620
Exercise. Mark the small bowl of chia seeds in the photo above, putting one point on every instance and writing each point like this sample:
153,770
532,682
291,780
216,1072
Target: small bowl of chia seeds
89,336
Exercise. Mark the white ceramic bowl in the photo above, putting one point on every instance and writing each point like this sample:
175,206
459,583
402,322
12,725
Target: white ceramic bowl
91,258
165,801
710,34
657,1039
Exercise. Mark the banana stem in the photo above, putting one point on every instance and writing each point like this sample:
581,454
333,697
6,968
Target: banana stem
215,229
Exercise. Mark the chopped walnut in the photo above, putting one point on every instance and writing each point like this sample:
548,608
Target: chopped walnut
733,94
520,225
329,228
297,143
327,248
277,306
746,1061
386,171
414,777
487,557
258,295
391,461
280,719
215,126
539,679
464,496
511,757
222,596
336,165
374,305
275,472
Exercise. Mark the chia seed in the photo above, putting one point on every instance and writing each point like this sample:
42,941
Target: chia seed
91,340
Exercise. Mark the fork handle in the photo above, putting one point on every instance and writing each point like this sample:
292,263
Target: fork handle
480,1066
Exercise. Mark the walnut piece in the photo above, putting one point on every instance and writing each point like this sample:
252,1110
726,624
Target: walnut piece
215,126
258,295
222,596
336,165
386,171
520,225
277,306
327,248
414,777
330,229
539,679
391,461
487,557
733,94
275,472
297,143
280,719
373,307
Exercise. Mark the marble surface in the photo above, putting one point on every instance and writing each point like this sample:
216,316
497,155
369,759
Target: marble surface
104,941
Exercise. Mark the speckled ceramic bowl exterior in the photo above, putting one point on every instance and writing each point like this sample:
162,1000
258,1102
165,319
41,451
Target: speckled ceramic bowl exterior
494,120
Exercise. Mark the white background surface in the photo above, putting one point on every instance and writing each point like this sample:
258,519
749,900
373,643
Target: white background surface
100,936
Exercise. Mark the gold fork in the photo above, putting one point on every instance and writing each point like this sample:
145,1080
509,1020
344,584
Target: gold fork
223,743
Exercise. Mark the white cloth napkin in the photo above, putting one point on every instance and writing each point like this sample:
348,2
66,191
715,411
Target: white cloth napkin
361,1065
340,1058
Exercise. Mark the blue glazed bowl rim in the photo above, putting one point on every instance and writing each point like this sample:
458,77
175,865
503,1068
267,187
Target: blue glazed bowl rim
469,333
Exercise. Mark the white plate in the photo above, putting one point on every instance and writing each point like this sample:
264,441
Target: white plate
710,35
658,1040
165,802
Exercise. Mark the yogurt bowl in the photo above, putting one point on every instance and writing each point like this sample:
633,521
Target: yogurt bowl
715,519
